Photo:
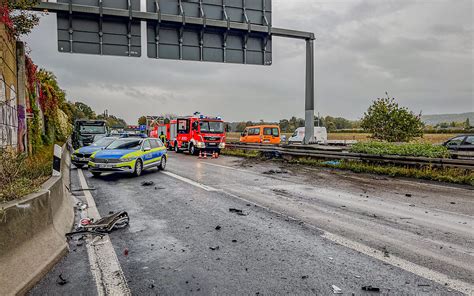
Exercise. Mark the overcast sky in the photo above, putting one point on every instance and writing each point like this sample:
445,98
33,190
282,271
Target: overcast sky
421,52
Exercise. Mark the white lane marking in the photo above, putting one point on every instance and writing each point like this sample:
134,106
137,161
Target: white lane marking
104,264
411,267
189,181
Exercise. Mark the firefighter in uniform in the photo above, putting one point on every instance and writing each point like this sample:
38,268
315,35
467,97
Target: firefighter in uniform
163,138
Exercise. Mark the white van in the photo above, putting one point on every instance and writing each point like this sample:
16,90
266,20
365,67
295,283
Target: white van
320,135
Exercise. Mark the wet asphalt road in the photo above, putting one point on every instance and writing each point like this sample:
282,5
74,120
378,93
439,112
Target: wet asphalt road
173,228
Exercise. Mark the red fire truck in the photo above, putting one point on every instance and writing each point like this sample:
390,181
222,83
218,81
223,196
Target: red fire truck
193,133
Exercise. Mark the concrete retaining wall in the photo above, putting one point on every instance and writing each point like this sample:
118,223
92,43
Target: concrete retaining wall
32,233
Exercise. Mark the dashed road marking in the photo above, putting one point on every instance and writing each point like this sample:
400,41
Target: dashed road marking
416,269
104,264
191,182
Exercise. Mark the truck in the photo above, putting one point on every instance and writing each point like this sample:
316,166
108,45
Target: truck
320,135
194,134
88,131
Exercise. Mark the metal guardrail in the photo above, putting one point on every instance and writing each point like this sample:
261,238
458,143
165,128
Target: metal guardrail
328,154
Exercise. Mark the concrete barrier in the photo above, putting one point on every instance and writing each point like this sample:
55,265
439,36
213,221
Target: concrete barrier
32,232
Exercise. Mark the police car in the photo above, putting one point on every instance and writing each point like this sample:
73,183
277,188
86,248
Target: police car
81,156
129,155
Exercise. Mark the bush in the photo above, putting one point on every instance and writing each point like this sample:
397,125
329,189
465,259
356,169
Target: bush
21,175
386,121
406,149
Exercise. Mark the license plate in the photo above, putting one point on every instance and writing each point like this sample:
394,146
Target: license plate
82,159
212,144
105,166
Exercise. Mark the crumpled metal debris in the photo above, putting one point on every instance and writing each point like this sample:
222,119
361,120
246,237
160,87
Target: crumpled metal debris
104,225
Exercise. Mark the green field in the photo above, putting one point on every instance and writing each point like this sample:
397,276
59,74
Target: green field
361,137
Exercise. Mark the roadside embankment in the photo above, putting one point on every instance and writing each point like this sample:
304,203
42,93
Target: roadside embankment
32,232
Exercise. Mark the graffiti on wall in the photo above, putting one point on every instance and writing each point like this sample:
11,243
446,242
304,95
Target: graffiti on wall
8,115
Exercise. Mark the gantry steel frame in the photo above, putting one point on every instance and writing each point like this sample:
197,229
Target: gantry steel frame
209,23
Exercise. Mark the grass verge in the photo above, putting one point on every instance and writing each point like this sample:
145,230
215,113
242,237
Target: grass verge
449,175
405,149
21,175
241,153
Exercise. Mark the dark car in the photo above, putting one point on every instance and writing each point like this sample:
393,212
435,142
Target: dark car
80,157
460,143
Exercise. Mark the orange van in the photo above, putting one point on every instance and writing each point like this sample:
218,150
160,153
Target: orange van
263,134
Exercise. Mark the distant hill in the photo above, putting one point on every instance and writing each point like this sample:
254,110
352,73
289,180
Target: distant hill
439,118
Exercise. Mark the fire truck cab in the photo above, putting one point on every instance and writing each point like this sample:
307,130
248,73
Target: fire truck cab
197,133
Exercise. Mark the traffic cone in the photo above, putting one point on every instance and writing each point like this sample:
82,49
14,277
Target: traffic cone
200,155
217,154
213,154
205,154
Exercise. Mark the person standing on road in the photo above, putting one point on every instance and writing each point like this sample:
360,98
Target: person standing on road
163,138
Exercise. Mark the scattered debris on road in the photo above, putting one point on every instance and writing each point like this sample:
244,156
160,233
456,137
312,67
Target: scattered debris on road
148,183
453,203
61,281
370,289
385,252
159,188
104,225
214,248
336,289
280,191
238,212
218,227
125,252
304,277
408,195
85,222
234,240
272,172
423,285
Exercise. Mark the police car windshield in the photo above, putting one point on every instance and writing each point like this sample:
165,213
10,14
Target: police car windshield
133,144
103,142
213,127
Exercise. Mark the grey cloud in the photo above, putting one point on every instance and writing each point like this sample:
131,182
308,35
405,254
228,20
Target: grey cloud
419,51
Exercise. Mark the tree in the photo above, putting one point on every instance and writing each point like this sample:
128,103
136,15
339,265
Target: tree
113,121
18,18
467,124
142,120
385,120
84,111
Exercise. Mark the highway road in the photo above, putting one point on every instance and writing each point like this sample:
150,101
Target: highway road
302,231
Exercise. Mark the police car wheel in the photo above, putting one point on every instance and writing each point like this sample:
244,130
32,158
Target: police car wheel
138,168
79,166
162,165
96,174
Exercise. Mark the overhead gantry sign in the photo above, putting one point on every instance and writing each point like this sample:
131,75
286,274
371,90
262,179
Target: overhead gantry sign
227,31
